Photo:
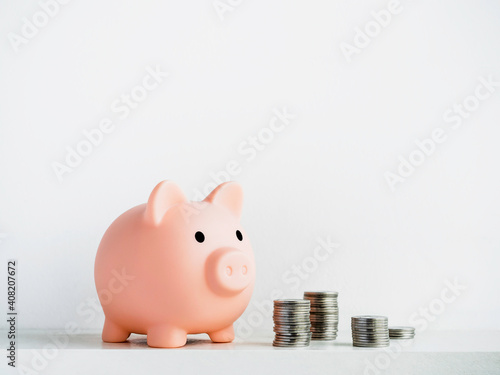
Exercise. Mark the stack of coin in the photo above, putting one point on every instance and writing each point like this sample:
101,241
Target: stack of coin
370,331
401,332
324,314
291,322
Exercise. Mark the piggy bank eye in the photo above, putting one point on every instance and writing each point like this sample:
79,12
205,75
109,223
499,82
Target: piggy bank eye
200,237
239,235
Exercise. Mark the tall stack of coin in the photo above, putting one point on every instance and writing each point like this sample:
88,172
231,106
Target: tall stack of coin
324,314
291,322
370,331
401,332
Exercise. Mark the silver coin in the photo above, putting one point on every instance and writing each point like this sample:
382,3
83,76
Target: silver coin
401,328
291,331
291,316
370,325
369,330
366,341
324,334
369,317
357,329
324,325
291,320
321,310
370,339
292,341
370,345
304,314
370,336
324,318
322,293
401,334
292,338
324,330
302,310
293,334
281,343
325,303
278,344
291,302
297,325
363,341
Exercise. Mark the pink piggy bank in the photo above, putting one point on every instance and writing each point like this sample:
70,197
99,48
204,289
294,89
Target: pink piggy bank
171,267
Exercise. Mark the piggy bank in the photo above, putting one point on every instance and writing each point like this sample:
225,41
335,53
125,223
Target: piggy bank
171,267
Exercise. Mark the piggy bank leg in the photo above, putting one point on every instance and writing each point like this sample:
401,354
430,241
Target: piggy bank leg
113,333
166,336
223,335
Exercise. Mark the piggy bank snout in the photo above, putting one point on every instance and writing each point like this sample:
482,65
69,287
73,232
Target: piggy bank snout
229,271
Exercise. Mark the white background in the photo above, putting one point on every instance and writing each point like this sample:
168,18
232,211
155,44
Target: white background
322,176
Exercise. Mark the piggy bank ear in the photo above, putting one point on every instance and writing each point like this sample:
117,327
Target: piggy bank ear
228,194
165,195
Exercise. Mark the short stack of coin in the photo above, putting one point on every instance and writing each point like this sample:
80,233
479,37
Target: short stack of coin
324,314
401,332
291,322
370,331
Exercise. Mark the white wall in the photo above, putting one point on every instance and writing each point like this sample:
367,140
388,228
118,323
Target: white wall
322,176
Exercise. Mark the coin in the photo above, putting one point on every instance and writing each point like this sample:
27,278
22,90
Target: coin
370,331
324,314
292,325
